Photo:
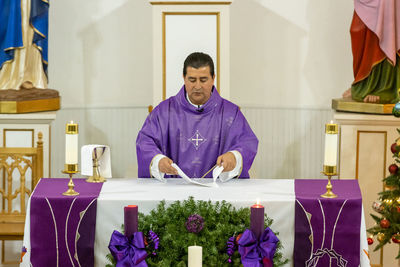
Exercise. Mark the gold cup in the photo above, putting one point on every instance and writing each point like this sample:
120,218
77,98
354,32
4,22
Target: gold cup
96,176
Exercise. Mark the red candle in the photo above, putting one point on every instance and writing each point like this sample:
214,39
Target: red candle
257,220
130,220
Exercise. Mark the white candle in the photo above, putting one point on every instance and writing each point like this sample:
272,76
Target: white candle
195,258
71,143
331,144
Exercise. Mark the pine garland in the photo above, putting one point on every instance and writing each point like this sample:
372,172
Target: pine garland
221,221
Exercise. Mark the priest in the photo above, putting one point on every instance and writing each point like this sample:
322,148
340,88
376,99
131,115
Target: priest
196,129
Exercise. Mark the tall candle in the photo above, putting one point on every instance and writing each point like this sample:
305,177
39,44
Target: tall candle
130,220
257,219
331,144
71,143
195,257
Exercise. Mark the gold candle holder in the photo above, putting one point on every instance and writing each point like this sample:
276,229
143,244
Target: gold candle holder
329,171
70,169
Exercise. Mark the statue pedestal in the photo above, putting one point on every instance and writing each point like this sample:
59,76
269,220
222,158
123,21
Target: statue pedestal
346,104
28,100
364,153
21,130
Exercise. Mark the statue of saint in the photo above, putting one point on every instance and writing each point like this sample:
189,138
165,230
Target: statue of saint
375,38
23,44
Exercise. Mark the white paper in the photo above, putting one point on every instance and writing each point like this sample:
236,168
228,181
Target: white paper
187,179
217,172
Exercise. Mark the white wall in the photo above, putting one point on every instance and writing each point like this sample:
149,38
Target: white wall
290,53
289,58
101,52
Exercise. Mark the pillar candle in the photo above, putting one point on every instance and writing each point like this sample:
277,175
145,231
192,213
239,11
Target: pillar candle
71,143
331,144
257,219
130,220
195,257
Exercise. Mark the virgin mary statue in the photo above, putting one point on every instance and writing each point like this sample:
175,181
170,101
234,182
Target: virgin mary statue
23,44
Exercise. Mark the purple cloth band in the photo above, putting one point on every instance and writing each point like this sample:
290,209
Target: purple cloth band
257,253
128,252
63,227
327,230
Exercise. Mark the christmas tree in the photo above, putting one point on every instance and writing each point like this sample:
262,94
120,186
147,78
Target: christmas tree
387,228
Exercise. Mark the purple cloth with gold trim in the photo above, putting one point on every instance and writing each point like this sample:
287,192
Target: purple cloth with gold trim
327,230
194,138
63,227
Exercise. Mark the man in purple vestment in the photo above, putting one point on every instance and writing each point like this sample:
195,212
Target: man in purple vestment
196,129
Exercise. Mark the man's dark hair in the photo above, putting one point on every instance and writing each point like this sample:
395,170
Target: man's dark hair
197,60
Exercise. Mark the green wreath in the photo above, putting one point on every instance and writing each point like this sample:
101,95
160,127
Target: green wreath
221,221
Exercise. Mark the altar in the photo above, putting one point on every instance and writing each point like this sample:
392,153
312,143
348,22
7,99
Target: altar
279,197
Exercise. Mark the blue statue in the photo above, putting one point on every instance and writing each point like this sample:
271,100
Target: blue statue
23,43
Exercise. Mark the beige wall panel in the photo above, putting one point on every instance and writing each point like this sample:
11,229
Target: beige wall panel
203,29
348,145
365,155
371,159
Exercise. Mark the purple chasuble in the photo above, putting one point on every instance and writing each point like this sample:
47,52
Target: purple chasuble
194,138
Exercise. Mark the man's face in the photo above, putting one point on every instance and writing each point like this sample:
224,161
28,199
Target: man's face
198,84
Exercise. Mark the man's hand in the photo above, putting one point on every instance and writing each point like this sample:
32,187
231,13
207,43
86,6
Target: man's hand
227,160
165,166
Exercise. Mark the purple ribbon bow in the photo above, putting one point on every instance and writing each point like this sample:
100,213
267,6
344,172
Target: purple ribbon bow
128,252
257,253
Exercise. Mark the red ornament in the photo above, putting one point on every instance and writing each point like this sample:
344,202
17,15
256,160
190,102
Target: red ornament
393,148
398,209
370,240
393,168
385,223
396,238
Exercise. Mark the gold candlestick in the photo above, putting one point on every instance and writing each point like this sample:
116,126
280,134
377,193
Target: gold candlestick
70,169
329,171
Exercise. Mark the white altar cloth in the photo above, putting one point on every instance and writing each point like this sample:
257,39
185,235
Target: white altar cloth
277,196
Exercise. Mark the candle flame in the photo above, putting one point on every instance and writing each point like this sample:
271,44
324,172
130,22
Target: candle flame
71,122
258,201
331,121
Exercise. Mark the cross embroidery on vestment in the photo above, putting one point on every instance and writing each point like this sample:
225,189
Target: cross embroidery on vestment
197,139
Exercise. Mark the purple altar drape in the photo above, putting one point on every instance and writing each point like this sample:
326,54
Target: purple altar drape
63,227
327,230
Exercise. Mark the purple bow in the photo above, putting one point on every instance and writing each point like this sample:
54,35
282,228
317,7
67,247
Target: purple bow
128,252
257,253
